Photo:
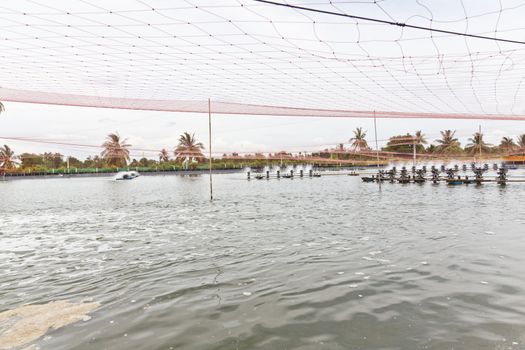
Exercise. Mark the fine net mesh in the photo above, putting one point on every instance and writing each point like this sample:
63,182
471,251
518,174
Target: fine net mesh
257,58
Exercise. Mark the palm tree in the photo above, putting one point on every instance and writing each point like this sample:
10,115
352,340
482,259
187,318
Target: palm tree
420,138
115,151
477,145
164,156
7,158
358,141
188,147
521,142
507,144
448,142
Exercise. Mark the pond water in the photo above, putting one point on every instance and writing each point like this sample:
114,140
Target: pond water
321,263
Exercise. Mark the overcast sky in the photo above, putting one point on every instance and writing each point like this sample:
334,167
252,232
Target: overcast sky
244,52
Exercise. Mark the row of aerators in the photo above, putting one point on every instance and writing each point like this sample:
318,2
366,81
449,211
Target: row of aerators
435,175
278,175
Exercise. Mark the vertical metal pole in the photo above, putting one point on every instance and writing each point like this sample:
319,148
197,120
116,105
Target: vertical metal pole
377,149
414,156
480,145
209,137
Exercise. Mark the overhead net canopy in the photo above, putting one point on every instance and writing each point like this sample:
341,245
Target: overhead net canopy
251,57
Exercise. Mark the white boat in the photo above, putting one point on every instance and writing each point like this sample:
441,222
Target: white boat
126,175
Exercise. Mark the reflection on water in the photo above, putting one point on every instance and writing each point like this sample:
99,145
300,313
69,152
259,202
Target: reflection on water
323,263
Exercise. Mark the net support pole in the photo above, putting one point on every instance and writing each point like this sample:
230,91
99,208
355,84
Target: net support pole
480,145
414,160
209,139
377,150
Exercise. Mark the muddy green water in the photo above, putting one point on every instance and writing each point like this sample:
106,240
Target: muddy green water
323,263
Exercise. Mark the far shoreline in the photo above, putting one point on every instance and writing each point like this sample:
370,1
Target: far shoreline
9,177
111,172
180,172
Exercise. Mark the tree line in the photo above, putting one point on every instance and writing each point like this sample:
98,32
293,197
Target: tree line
447,145
115,154
189,151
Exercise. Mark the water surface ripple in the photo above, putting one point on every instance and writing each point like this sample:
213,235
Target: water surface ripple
323,263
